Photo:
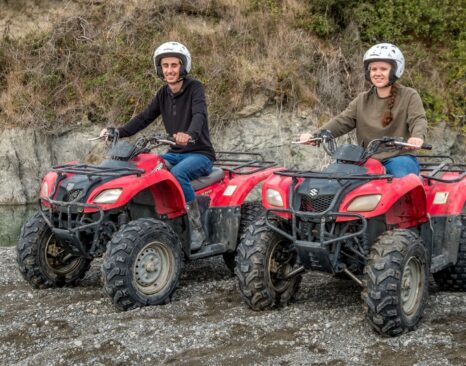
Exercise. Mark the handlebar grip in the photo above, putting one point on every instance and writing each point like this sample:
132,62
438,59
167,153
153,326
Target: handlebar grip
426,146
190,141
111,133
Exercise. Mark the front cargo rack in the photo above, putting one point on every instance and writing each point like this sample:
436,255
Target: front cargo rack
94,170
335,176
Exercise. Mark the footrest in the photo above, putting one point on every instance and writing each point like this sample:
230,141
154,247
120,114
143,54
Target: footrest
209,251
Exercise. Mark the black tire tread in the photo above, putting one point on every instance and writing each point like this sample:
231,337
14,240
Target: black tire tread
382,275
28,250
250,211
116,264
250,269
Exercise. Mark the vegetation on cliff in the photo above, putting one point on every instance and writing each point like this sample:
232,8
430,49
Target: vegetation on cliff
95,64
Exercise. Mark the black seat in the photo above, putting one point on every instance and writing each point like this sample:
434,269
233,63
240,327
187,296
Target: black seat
216,175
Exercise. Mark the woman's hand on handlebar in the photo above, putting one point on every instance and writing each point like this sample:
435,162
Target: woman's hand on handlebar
414,141
103,133
307,139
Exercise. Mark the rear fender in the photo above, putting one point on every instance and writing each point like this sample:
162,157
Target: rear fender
238,186
446,198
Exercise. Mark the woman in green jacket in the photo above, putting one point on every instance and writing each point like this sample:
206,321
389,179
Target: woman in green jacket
386,109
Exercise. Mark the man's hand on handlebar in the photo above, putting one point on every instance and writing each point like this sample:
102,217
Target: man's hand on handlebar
108,133
182,138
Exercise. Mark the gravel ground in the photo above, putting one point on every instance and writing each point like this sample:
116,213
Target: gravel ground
207,323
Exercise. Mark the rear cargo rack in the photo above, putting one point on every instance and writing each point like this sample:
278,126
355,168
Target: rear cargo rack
242,163
435,170
433,160
435,165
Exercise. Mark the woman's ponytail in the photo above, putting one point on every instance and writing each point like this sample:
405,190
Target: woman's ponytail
387,116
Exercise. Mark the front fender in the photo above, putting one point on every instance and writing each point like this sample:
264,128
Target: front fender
403,200
165,189
282,185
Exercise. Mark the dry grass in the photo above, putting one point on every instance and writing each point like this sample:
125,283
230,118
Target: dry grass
95,66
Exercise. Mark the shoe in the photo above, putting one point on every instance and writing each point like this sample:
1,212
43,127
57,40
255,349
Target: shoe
198,236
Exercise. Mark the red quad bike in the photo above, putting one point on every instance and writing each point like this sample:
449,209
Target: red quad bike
353,220
132,210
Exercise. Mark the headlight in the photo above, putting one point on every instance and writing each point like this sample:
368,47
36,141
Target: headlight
365,203
108,196
44,190
274,197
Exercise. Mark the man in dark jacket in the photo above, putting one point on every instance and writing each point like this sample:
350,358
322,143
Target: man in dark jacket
182,105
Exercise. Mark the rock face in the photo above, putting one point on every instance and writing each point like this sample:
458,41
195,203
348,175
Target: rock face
11,220
27,154
271,135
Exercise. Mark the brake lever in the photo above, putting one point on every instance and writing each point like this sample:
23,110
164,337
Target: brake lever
168,142
316,139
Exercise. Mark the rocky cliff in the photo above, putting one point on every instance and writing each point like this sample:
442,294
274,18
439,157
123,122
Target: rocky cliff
27,154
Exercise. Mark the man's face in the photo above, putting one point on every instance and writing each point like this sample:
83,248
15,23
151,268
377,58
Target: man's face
379,73
171,69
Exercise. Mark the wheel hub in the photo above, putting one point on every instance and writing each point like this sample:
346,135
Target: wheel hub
279,264
149,267
411,285
56,258
152,268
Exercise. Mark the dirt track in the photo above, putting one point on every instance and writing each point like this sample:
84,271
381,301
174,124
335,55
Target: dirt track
207,323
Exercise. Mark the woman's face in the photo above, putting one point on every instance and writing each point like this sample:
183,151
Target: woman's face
379,73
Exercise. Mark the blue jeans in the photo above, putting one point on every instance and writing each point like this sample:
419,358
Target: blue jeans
187,167
402,165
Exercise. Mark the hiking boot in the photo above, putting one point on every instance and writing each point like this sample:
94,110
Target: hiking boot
198,236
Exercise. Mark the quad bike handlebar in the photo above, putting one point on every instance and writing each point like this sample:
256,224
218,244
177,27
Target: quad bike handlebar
393,142
112,134
143,142
375,146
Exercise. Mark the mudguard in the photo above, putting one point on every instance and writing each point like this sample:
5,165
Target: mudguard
236,188
164,187
282,185
445,198
403,200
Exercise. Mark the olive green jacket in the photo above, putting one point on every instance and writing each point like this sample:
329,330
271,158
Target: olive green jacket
365,115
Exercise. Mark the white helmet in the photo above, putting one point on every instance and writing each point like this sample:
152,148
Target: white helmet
172,49
385,52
